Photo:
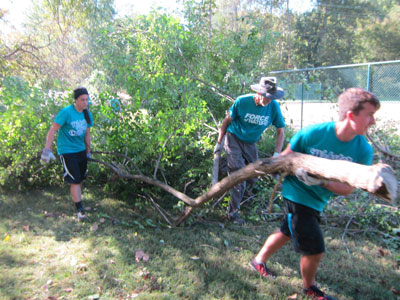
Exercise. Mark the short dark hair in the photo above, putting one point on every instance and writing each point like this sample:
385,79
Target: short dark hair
80,91
353,100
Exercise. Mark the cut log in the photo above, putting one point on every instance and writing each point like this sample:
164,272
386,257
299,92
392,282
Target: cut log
378,179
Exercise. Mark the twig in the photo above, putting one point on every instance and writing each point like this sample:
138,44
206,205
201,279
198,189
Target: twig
119,155
187,184
219,200
348,224
380,148
162,152
271,198
159,209
212,128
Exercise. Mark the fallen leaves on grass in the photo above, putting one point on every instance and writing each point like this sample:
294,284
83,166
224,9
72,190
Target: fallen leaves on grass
95,226
81,268
140,255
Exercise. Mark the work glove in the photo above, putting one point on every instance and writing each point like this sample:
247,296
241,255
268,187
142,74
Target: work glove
47,155
218,148
88,155
276,154
302,175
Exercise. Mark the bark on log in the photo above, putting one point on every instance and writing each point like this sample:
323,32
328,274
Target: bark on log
377,179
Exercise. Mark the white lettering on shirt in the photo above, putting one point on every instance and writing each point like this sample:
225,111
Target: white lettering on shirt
329,155
256,119
79,126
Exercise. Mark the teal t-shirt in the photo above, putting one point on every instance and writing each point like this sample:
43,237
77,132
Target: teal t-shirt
321,140
249,120
71,135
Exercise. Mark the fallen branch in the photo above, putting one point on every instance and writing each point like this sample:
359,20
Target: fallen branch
377,179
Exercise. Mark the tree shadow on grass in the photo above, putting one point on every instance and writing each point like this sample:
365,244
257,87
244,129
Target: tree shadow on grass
201,261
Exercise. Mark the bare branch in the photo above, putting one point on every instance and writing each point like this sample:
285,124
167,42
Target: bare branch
380,148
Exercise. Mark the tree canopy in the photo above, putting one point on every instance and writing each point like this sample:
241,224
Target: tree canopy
175,74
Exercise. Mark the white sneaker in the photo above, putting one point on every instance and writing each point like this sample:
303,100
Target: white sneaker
81,216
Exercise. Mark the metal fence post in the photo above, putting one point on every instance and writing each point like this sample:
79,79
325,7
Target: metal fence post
302,102
369,77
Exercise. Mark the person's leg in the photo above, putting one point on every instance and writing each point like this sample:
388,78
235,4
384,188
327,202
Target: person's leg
273,243
235,161
76,192
74,172
250,154
308,267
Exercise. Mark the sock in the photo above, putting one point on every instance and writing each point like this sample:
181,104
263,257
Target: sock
79,205
257,262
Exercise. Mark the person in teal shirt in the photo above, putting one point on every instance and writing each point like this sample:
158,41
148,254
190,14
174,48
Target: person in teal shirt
243,126
306,196
73,125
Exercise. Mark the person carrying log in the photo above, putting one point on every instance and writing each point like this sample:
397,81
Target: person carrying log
306,196
243,126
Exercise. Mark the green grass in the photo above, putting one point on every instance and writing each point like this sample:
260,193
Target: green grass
50,254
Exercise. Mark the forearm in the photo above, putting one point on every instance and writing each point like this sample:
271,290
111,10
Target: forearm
50,136
337,187
224,127
280,138
88,141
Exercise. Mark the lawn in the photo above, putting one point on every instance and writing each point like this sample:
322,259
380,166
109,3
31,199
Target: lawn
124,253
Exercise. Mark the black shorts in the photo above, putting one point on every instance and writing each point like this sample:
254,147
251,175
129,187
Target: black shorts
302,225
75,166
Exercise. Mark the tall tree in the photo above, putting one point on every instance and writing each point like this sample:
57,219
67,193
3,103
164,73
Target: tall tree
326,35
55,46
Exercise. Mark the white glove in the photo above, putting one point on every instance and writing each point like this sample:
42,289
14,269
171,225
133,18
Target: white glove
47,155
275,154
302,175
217,148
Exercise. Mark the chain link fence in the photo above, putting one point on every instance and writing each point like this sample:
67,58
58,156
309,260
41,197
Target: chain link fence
326,83
312,93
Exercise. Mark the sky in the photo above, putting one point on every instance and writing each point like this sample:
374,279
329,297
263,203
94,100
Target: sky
18,9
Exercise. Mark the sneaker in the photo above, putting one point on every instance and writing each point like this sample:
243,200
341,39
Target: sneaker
316,293
81,215
261,269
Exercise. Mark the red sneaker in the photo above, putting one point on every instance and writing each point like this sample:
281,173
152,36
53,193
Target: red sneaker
316,293
261,269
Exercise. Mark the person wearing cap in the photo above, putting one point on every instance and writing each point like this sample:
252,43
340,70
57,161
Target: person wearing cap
243,126
306,196
73,144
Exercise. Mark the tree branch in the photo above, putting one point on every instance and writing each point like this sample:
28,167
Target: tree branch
378,179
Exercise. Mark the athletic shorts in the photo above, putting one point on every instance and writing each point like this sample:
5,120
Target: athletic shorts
302,225
75,166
